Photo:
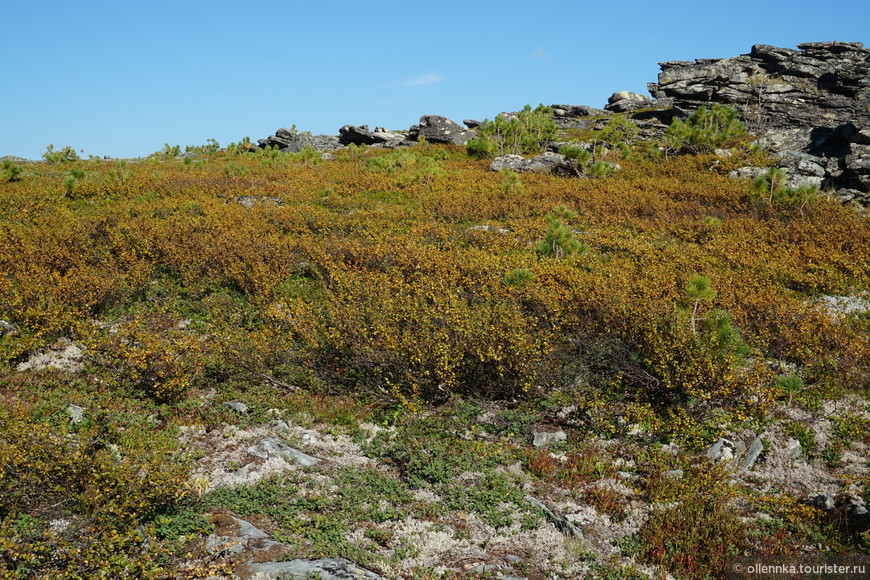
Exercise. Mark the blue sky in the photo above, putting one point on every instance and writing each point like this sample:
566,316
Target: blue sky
123,78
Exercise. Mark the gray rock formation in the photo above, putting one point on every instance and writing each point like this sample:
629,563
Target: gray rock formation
735,454
361,135
575,111
274,447
624,101
323,569
810,104
437,129
290,141
547,162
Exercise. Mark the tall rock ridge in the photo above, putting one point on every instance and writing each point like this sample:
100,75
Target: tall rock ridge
809,105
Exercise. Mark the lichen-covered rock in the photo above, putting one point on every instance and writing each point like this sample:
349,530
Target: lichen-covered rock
361,135
547,162
810,104
437,129
292,141
623,101
323,569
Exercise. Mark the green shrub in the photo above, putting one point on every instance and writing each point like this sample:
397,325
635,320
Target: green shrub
529,131
9,171
168,152
65,155
511,183
583,163
559,241
769,190
619,133
705,130
411,166
518,278
211,146
242,147
790,384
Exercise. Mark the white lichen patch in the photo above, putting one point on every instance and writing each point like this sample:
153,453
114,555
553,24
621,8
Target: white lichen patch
839,306
226,460
65,355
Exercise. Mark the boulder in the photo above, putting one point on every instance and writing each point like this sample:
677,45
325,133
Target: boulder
323,569
547,162
8,328
437,129
237,406
291,141
726,451
274,447
547,438
623,101
752,454
361,135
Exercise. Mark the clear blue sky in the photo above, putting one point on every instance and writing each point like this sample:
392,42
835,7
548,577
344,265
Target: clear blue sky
122,78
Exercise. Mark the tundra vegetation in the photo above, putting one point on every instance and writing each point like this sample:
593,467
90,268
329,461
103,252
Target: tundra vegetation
455,307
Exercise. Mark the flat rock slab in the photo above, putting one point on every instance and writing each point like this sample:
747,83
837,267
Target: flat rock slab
325,569
274,447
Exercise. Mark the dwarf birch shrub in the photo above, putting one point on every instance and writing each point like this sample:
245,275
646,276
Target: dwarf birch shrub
154,355
407,339
101,481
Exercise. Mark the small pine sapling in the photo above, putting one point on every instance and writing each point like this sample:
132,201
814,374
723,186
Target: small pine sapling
559,240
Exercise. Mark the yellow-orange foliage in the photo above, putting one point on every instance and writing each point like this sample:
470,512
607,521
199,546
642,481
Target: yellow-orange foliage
385,284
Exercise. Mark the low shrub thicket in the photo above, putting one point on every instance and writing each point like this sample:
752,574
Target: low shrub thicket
339,273
79,499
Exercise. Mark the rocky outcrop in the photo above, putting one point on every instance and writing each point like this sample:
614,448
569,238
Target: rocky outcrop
547,162
291,141
437,129
810,105
361,135
624,101
432,128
